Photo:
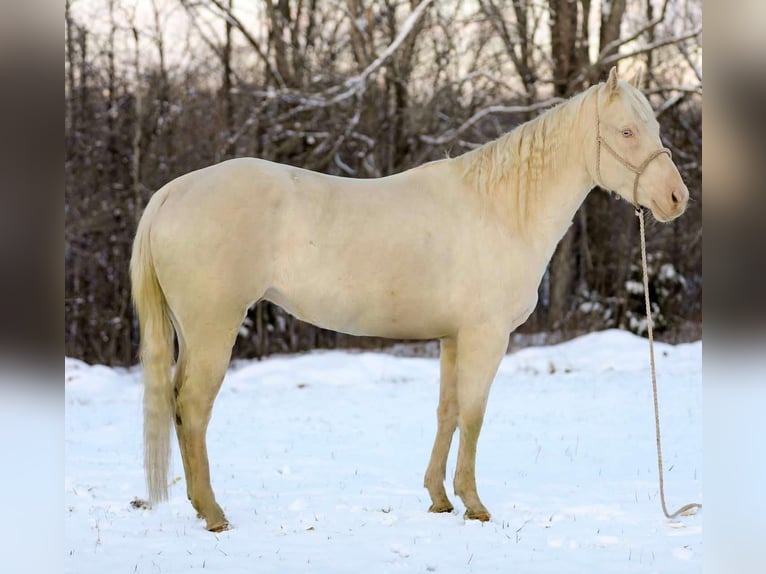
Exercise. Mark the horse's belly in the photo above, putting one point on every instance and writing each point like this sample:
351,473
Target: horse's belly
388,314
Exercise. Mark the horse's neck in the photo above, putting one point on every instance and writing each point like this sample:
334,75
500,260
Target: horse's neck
540,196
561,197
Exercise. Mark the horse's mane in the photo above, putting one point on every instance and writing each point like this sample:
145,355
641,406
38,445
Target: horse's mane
509,171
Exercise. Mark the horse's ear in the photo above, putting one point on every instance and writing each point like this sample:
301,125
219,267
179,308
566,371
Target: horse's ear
612,81
636,80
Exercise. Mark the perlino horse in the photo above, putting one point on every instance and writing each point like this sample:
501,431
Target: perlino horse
452,250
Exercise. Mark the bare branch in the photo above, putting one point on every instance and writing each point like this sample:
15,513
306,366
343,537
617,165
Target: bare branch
495,17
356,85
672,88
653,46
205,35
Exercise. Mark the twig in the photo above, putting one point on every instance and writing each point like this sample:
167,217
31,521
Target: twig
675,100
227,15
692,65
672,88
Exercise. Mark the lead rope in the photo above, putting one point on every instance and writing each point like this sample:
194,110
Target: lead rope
690,508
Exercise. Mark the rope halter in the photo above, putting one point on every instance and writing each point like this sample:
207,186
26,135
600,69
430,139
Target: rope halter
638,170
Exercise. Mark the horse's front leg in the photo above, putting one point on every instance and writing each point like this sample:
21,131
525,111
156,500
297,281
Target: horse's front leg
446,424
479,352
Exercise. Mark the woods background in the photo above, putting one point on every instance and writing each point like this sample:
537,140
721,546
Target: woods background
364,88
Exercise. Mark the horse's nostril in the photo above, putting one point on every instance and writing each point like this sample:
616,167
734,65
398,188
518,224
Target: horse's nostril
674,196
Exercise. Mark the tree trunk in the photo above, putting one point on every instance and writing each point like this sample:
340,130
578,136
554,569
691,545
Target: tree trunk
138,111
226,88
562,280
564,55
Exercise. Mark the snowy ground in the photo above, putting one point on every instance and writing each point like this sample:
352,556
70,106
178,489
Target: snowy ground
318,461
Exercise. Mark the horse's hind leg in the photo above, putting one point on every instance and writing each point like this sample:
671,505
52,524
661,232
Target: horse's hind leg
178,380
207,350
446,424
478,355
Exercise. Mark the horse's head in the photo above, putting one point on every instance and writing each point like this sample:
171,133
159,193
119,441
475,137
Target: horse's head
631,159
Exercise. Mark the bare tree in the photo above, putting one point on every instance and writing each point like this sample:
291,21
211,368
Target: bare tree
360,88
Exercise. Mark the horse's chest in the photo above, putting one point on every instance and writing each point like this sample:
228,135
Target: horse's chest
506,284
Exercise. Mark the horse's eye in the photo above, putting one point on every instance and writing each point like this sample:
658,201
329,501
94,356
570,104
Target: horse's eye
627,133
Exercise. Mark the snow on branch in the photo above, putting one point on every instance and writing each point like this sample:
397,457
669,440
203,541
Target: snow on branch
454,133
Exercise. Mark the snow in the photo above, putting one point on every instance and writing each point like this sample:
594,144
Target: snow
318,461
634,287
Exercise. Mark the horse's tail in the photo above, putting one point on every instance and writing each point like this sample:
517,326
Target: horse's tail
156,354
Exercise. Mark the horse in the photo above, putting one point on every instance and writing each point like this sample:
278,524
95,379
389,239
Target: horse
453,250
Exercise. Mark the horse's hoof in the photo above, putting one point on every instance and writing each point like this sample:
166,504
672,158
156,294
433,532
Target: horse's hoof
219,526
441,507
480,515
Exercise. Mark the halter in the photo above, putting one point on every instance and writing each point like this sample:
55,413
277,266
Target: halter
638,170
